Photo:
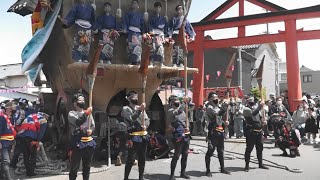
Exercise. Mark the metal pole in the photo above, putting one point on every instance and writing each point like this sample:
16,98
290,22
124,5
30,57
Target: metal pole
240,68
109,142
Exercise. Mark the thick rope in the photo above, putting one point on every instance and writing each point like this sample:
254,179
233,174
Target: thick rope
146,15
232,156
119,12
44,166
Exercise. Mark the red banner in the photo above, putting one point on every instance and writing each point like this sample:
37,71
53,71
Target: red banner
222,91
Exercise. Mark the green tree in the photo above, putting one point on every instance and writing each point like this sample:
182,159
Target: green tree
256,92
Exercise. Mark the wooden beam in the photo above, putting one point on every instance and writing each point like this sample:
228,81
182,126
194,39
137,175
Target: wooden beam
241,29
265,6
308,35
224,43
252,20
220,10
258,39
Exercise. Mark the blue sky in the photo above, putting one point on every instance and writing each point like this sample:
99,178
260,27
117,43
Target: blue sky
16,30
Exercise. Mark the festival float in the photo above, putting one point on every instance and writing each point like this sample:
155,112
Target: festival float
50,50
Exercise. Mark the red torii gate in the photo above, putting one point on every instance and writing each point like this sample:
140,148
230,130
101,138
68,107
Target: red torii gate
290,36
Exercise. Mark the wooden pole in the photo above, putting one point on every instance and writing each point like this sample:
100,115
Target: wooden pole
144,99
91,74
186,86
263,119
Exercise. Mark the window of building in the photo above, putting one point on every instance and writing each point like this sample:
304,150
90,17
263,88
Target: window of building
283,76
307,78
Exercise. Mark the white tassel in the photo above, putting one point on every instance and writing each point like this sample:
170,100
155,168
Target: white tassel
119,12
146,14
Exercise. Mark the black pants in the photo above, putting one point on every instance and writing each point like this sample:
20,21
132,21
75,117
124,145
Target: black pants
254,139
217,141
138,149
191,128
180,148
277,126
86,155
23,145
283,145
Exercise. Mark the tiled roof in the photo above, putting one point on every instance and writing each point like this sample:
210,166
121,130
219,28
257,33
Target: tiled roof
10,70
246,47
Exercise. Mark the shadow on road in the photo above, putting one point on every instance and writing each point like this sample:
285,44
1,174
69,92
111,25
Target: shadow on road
197,173
156,176
235,169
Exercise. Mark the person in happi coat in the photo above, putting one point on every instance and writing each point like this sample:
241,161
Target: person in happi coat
29,133
133,25
158,26
107,24
174,26
7,135
82,143
181,139
253,131
82,15
132,115
216,131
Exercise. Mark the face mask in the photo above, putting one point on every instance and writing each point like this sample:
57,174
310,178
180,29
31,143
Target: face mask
251,103
13,111
81,105
215,101
176,104
134,101
301,109
279,102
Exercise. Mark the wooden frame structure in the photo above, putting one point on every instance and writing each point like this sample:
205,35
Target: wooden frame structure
290,36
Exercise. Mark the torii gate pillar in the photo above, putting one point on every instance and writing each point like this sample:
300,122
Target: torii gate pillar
199,63
293,70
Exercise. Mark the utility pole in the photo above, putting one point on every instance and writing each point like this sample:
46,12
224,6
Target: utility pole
277,77
240,67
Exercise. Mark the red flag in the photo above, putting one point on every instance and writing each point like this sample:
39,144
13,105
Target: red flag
230,67
207,77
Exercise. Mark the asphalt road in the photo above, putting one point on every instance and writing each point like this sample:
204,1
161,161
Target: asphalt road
309,163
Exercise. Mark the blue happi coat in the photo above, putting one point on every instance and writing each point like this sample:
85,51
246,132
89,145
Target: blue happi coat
157,23
83,12
133,19
107,22
175,24
34,126
20,115
6,132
